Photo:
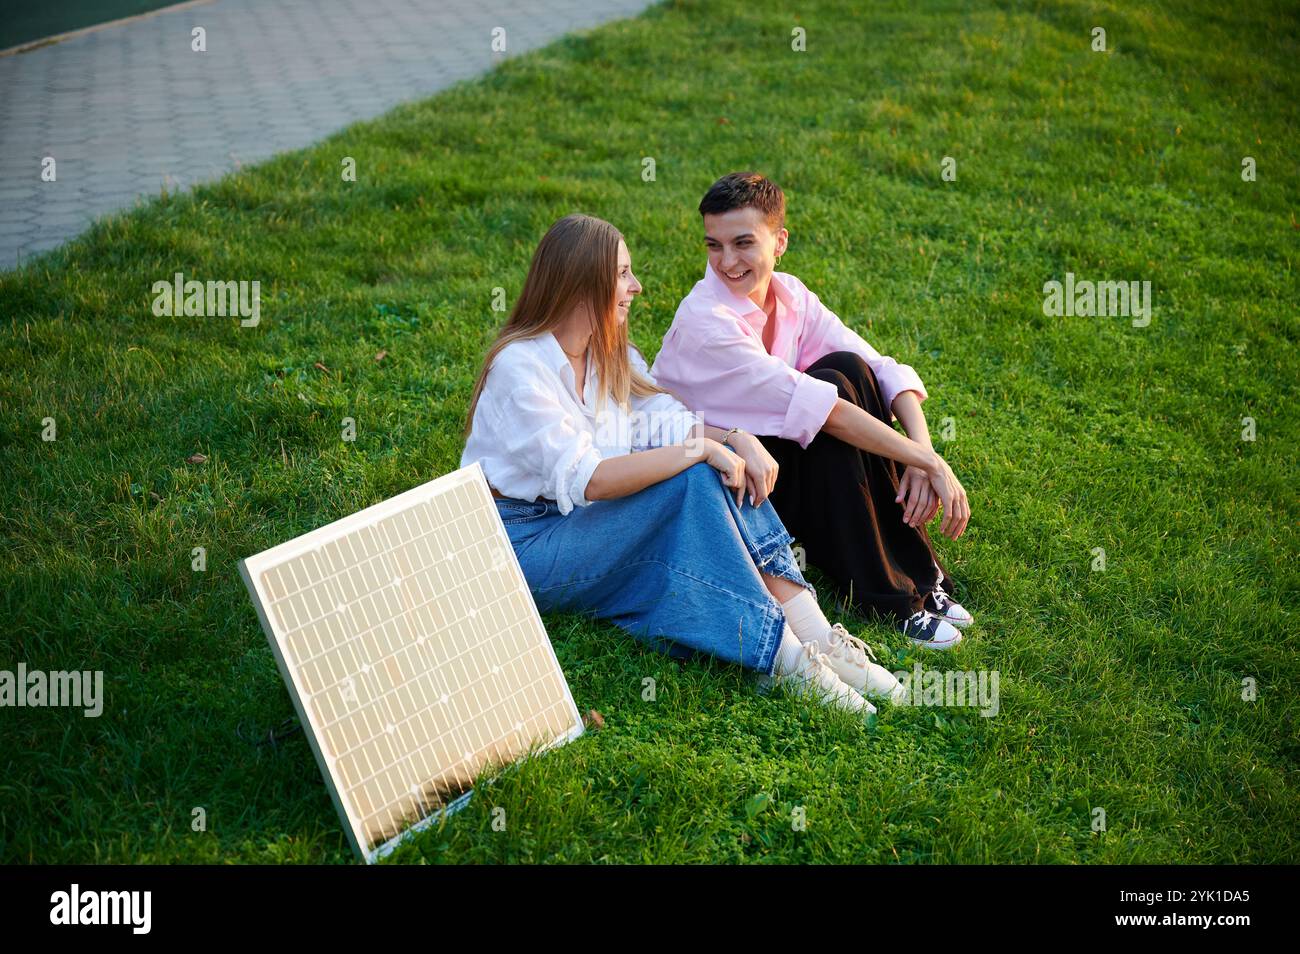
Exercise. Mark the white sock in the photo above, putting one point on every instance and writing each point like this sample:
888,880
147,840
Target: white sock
788,653
805,617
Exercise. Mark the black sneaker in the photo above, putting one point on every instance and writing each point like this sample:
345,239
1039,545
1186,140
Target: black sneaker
942,605
925,629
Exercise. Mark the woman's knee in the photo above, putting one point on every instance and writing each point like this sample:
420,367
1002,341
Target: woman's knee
852,377
698,476
838,378
848,363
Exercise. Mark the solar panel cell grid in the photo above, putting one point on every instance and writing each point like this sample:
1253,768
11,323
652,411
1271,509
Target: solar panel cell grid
409,639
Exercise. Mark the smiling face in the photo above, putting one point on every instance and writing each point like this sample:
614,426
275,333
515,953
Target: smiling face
625,285
743,250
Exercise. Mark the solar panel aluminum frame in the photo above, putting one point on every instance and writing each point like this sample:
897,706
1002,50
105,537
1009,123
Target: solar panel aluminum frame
251,570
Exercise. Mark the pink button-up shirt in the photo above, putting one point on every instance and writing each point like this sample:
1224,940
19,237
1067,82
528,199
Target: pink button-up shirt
713,359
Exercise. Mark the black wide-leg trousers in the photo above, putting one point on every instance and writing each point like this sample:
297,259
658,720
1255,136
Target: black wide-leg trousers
838,503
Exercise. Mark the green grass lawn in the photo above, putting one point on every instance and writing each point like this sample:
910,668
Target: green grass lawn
1120,689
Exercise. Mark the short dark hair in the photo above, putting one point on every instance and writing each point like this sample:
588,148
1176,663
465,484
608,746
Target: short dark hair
739,190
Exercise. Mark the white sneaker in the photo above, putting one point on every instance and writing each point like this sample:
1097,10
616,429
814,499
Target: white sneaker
928,631
943,606
814,677
855,664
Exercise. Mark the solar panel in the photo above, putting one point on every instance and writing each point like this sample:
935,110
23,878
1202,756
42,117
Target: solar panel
413,652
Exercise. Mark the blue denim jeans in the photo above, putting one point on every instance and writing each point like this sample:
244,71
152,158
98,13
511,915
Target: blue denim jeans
676,565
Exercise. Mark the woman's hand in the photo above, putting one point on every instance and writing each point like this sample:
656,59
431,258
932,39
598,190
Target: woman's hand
915,493
760,466
952,495
730,465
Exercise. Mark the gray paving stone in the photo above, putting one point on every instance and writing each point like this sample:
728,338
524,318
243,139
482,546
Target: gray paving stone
127,108
15,230
56,225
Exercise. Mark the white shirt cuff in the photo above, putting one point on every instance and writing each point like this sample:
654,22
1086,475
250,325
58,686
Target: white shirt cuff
571,491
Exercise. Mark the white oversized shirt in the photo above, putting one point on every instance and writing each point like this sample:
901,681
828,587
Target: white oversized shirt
534,438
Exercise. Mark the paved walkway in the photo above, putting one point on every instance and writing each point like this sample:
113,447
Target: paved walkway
128,109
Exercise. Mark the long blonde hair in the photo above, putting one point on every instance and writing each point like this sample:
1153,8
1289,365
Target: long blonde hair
575,264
